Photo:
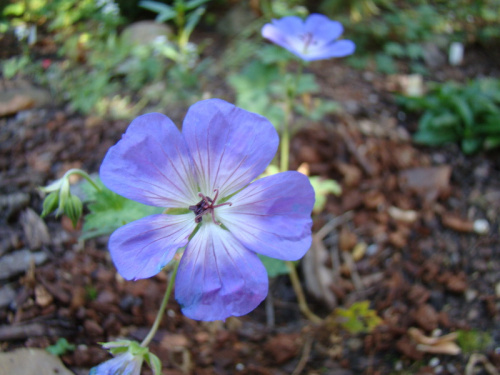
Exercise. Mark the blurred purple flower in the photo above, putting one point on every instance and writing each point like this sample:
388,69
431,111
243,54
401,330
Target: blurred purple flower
122,364
312,39
224,218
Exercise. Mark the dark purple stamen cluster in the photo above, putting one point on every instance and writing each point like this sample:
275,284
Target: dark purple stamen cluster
206,205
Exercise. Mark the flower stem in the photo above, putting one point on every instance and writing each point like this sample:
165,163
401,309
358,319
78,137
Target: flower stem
301,298
284,166
163,306
84,175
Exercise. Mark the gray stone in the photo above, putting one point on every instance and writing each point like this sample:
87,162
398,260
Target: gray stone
144,32
7,295
31,361
19,262
433,56
35,230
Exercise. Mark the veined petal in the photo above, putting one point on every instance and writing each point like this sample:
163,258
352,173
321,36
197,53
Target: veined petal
230,146
272,216
218,277
151,164
142,248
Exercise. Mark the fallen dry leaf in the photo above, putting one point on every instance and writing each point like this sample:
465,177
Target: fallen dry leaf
436,345
16,104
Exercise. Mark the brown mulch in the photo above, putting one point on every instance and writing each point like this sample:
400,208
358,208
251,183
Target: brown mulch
411,213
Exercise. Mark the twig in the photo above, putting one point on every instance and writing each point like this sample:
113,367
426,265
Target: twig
334,223
474,360
367,167
356,279
304,358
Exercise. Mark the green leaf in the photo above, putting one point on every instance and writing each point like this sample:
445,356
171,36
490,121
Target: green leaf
192,20
62,346
194,4
470,146
435,137
15,9
322,187
164,11
274,267
271,54
463,110
109,211
50,203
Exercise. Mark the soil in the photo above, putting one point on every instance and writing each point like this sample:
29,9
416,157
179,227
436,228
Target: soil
401,235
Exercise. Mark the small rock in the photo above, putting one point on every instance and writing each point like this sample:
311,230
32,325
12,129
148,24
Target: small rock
10,204
426,317
19,262
42,297
433,56
456,284
92,328
144,32
7,295
31,361
35,230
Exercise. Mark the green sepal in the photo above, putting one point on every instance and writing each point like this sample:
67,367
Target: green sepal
50,203
64,194
154,362
73,208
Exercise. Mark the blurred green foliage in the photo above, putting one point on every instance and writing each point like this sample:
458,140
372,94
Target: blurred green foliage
358,318
473,340
97,70
109,211
450,112
61,347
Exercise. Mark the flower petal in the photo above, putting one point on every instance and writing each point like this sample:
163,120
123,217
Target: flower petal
272,216
124,364
339,48
322,28
218,277
142,248
230,146
151,164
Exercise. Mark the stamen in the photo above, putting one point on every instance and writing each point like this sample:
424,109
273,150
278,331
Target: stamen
207,205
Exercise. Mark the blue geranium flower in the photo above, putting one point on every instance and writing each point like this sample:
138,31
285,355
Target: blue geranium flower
206,171
312,39
123,364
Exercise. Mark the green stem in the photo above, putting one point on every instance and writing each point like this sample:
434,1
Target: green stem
284,165
163,306
285,135
84,175
299,292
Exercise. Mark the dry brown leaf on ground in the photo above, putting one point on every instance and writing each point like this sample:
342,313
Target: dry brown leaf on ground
436,345
318,277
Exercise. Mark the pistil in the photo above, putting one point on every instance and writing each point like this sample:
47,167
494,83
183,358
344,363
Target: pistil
206,205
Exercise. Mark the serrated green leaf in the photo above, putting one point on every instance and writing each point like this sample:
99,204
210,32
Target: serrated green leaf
109,211
274,267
